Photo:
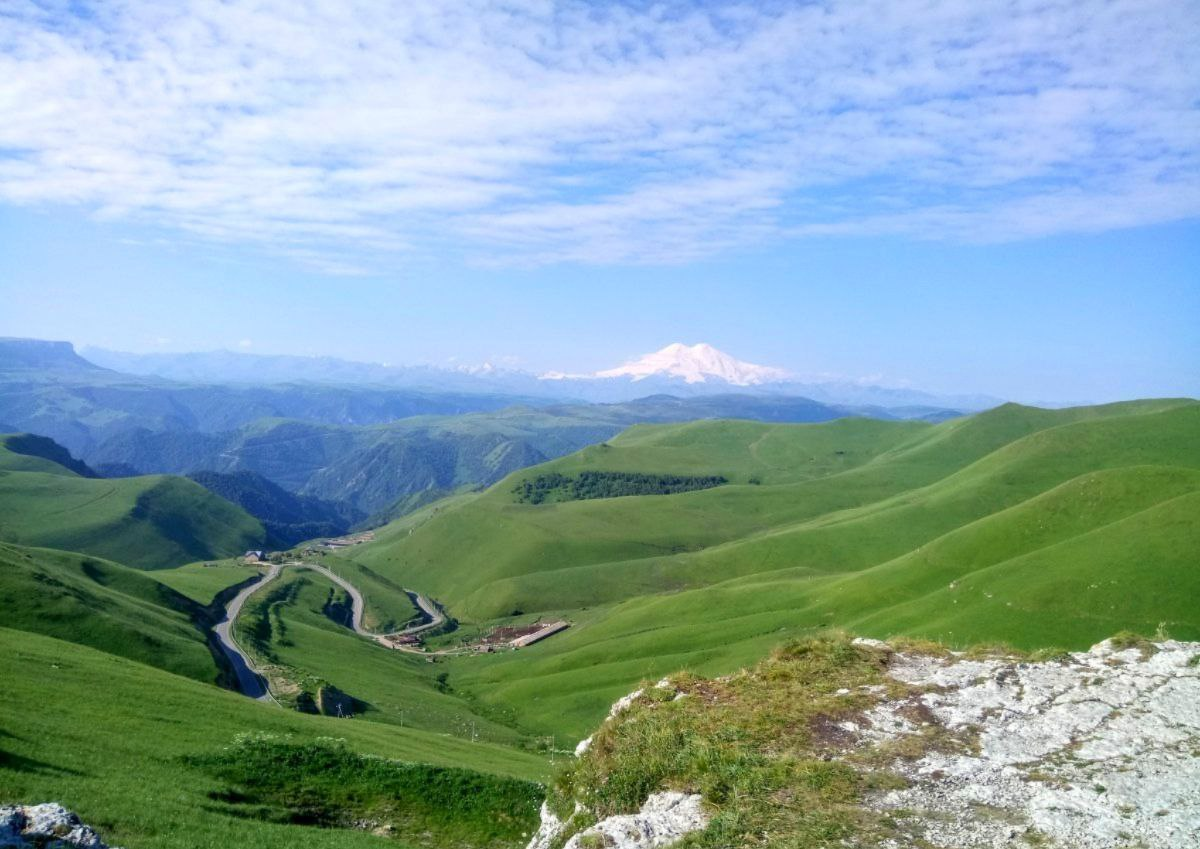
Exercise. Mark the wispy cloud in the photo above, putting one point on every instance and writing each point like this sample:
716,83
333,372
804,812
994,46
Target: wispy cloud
346,135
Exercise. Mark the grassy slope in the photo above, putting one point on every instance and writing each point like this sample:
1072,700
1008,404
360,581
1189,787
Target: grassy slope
857,524
111,746
202,583
146,522
104,605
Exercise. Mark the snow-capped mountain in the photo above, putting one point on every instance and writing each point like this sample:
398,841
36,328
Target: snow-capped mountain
681,370
700,363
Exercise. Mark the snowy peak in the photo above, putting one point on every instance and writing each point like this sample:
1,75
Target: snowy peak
696,364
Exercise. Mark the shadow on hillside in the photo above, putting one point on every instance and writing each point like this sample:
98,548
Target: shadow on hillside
20,763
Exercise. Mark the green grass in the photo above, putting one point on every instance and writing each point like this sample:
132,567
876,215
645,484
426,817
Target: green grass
1035,527
150,522
102,604
323,782
202,582
115,740
1039,528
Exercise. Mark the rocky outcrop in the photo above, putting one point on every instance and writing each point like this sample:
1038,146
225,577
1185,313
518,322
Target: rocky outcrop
1084,750
48,826
1094,750
664,819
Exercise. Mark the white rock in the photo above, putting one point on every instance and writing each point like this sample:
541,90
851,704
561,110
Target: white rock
1095,752
48,825
623,704
551,826
664,819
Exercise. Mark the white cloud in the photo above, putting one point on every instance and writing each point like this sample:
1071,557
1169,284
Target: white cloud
346,135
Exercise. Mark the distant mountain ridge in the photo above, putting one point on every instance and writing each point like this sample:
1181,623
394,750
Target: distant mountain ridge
677,369
369,448
370,468
288,518
18,354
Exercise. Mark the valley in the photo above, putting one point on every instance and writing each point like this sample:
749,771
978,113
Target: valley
487,632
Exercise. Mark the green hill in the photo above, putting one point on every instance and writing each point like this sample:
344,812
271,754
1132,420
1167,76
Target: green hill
157,761
1037,527
288,518
102,604
148,522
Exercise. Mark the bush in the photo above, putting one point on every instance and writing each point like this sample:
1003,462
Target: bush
322,782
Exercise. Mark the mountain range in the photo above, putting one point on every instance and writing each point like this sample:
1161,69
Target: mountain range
355,441
676,369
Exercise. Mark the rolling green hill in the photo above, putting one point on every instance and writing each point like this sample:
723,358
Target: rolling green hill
148,522
1037,527
371,468
158,761
102,604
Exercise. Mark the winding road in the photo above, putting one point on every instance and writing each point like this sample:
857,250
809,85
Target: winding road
252,682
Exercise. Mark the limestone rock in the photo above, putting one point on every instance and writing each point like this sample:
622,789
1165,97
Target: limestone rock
46,826
663,820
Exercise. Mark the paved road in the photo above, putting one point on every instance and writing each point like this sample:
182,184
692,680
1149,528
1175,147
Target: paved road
250,681
436,617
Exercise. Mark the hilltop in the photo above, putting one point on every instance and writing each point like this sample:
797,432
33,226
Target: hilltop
150,522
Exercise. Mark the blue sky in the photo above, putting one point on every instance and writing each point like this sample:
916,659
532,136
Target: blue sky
955,196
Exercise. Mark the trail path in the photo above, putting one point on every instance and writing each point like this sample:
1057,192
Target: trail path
250,681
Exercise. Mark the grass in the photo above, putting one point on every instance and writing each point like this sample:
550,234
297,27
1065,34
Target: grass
757,747
324,782
203,582
105,605
116,745
149,522
1043,530
1039,528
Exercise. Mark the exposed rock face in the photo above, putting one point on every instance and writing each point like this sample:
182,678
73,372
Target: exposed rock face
1100,749
662,821
48,826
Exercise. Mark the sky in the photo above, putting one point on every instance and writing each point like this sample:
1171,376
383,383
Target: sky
992,197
